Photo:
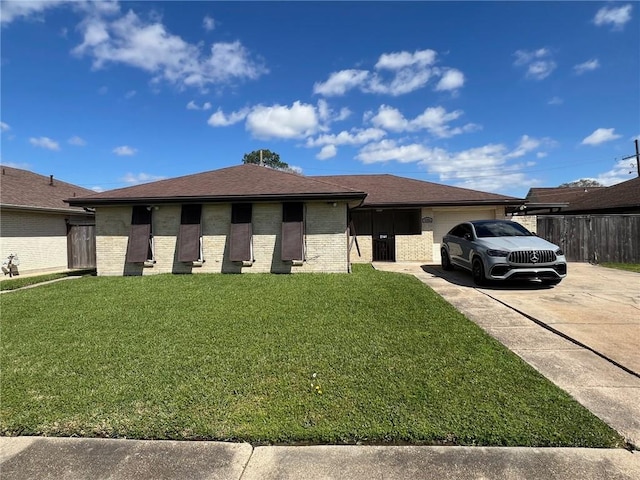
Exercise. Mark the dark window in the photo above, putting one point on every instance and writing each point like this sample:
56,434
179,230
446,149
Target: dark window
191,214
241,213
292,212
141,216
407,222
140,244
361,221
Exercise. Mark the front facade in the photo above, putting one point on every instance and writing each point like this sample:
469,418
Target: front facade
219,245
404,220
42,231
250,218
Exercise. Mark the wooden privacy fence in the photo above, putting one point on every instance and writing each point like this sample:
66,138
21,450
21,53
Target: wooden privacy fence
594,238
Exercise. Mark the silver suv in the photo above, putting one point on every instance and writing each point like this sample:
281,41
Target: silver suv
502,250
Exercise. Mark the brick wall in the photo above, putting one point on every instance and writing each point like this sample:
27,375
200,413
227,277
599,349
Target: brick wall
530,222
325,240
38,239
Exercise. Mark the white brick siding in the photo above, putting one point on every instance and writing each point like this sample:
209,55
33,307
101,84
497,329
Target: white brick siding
38,239
530,222
325,240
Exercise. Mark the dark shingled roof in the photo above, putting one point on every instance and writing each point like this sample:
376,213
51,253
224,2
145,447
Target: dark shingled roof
623,197
390,190
242,182
23,189
558,195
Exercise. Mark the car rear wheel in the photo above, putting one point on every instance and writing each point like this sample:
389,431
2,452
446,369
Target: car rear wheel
446,261
477,270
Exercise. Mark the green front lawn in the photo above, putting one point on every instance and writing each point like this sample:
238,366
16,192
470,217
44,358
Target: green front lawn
233,357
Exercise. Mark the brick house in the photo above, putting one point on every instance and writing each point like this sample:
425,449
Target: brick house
36,224
250,218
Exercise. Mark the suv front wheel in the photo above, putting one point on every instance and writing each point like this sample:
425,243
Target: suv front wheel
477,270
446,261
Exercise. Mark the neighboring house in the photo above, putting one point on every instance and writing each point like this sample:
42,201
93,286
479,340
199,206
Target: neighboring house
36,225
602,225
250,218
545,201
403,219
620,198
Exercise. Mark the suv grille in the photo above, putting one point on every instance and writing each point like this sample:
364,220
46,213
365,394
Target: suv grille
532,257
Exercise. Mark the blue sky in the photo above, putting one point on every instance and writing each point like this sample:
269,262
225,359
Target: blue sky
495,96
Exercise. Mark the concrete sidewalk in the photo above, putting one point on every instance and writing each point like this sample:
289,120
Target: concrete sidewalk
35,458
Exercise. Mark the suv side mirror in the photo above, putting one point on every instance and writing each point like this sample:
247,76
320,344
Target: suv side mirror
467,236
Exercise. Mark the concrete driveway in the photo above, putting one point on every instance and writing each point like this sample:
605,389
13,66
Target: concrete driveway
596,306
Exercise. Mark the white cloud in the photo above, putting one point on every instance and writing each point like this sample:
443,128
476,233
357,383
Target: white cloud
451,80
44,142
280,121
97,189
130,94
4,127
299,120
353,137
328,151
208,23
77,141
103,90
623,170
484,168
434,119
219,119
341,82
137,178
393,74
148,46
194,106
587,66
125,150
538,63
555,101
400,60
11,10
601,135
617,17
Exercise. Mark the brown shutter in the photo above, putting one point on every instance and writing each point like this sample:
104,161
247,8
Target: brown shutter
292,241
138,246
189,242
240,242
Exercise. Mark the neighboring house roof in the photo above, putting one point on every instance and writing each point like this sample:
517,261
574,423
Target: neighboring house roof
24,190
242,183
620,198
391,190
558,196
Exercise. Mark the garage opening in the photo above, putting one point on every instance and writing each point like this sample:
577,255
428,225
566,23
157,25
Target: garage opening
383,225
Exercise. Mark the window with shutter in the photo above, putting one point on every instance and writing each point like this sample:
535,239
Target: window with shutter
292,231
240,235
190,234
140,244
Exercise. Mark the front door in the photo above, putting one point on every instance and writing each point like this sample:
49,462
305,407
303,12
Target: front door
384,240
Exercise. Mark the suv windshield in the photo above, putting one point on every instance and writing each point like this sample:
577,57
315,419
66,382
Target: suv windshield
501,229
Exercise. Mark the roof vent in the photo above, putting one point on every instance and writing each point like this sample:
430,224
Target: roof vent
50,179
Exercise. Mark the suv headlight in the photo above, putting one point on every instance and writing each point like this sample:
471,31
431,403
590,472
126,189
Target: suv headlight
559,252
497,253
